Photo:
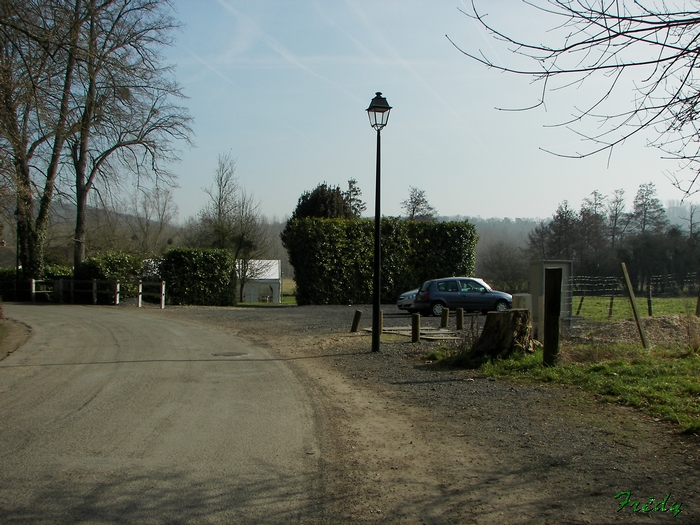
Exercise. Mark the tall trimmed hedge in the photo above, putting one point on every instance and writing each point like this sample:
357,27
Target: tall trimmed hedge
202,277
111,265
333,258
121,266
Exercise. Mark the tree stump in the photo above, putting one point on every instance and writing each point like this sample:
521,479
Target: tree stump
504,333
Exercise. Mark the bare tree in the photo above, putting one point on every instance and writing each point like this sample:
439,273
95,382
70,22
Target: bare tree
503,265
650,47
231,220
218,218
692,221
253,241
85,75
648,214
617,218
592,232
417,207
151,212
39,46
127,120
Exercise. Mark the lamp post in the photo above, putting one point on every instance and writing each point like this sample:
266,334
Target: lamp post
378,112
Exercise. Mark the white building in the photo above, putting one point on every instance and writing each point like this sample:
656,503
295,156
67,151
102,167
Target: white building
267,284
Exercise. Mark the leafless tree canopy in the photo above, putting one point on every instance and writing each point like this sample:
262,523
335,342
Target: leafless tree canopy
417,207
649,47
231,220
85,95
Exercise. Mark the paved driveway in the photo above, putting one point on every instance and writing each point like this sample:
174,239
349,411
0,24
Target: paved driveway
112,416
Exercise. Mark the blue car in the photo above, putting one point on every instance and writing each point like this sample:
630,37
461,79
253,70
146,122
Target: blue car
469,293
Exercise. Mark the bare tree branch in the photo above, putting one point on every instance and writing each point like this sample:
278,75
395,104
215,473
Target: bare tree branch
653,45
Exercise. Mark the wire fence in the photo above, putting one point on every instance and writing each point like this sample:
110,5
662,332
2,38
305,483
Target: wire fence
667,285
606,298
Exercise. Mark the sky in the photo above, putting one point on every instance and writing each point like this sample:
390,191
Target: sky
283,85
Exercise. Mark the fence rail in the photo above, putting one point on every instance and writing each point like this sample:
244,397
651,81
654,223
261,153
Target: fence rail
66,290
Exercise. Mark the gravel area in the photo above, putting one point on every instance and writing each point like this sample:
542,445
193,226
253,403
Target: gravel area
406,442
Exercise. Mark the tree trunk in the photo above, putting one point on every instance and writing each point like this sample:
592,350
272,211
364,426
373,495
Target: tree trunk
80,226
504,333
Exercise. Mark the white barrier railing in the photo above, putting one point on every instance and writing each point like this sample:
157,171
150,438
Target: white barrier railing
59,289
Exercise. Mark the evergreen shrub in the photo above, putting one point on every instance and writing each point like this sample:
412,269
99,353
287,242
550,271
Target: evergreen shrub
201,277
333,258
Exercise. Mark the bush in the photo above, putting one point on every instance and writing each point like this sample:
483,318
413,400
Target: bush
8,277
57,271
111,265
333,259
202,277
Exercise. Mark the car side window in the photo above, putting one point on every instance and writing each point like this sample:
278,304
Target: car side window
471,286
447,286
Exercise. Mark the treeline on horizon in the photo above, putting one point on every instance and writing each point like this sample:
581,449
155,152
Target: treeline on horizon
602,232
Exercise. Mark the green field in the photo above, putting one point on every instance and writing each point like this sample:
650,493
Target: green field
598,308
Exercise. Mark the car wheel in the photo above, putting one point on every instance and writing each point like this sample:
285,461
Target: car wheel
501,306
436,309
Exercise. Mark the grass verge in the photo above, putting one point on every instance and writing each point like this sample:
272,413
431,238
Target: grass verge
662,383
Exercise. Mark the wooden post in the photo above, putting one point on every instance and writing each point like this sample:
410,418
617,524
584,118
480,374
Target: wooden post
650,308
139,293
459,314
415,327
445,317
580,303
60,291
94,291
32,290
610,306
116,292
356,321
552,313
162,295
635,310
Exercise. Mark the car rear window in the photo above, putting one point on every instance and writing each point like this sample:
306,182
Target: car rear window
425,286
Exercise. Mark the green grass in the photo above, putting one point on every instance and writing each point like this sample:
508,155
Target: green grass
663,383
597,308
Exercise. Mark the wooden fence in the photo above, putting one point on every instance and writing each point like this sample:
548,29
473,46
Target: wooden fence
66,290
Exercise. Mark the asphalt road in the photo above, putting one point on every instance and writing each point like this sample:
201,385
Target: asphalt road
111,416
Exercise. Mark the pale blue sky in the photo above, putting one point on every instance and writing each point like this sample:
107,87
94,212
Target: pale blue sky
284,86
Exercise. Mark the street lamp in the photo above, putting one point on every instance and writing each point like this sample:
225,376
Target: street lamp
378,112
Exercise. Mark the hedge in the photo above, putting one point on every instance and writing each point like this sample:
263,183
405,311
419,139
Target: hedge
202,277
333,258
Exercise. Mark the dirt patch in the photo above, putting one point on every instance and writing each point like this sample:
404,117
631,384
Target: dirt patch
405,442
12,335
668,330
